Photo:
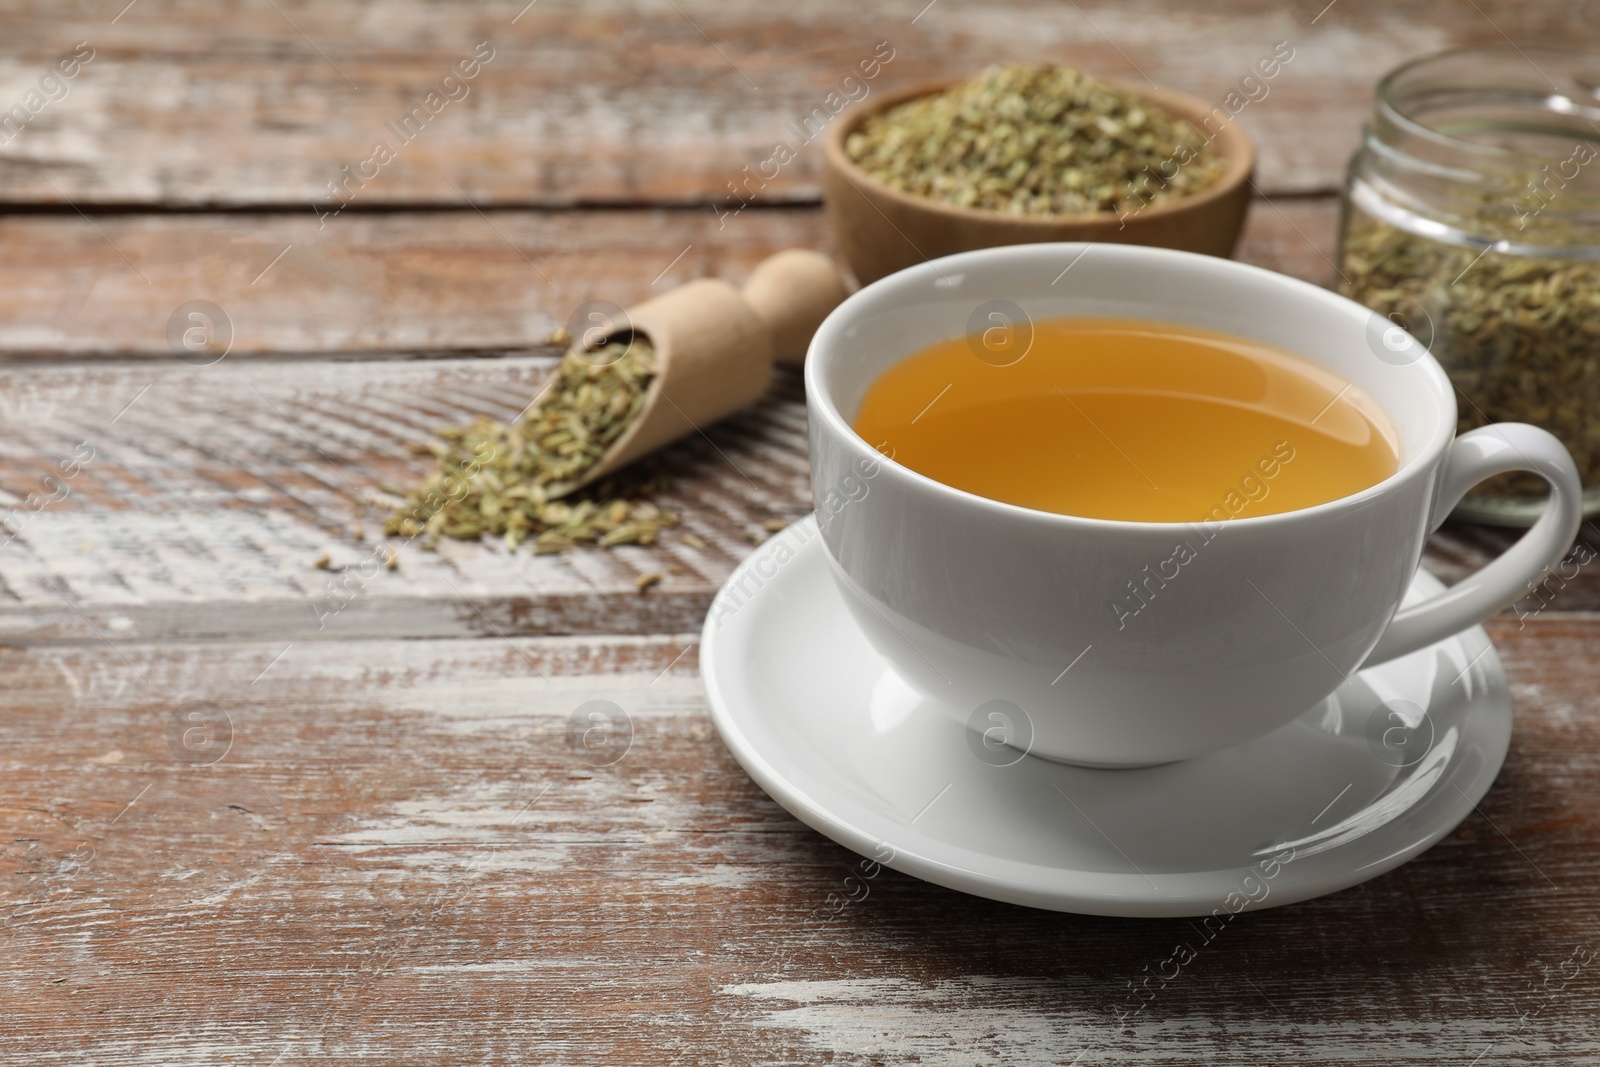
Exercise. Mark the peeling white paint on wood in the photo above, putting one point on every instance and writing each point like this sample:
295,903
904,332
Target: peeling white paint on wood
709,91
983,1021
402,859
206,505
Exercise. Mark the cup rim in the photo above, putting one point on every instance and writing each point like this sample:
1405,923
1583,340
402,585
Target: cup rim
821,404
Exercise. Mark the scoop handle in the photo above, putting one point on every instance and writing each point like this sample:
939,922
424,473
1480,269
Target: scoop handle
792,292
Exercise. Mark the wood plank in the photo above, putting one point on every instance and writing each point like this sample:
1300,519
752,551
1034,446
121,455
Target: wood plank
399,859
213,491
424,282
413,282
624,102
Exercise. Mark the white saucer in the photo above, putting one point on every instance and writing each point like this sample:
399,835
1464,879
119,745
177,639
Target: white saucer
822,724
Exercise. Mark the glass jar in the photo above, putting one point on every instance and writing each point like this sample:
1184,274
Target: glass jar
1471,218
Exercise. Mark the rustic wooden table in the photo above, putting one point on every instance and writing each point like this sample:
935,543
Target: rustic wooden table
388,853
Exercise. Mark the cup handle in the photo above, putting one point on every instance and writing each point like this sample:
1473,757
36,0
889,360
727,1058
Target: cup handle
1483,453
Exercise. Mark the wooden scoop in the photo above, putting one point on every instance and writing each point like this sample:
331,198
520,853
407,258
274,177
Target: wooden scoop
715,347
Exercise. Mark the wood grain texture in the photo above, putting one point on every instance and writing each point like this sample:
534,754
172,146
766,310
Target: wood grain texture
204,497
400,858
408,283
249,103
420,282
212,492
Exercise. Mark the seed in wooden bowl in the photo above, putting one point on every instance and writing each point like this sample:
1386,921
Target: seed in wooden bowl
1030,139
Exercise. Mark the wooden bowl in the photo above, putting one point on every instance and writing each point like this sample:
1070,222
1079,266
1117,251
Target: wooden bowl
881,230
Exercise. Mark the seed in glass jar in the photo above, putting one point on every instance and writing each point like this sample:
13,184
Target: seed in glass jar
1519,335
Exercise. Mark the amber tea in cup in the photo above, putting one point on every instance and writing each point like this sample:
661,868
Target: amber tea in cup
1132,420
1127,643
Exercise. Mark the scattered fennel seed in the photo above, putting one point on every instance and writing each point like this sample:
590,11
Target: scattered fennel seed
493,478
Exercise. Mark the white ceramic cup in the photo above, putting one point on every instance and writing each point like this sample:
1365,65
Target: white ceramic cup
974,601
